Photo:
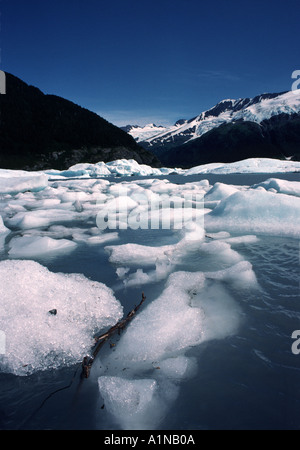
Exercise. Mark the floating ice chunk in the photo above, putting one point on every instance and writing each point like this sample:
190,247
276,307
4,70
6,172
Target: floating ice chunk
12,208
142,255
251,165
69,173
167,325
281,186
219,235
256,211
139,278
178,318
31,246
60,232
121,271
28,291
237,240
3,233
3,228
120,167
102,238
27,220
178,368
120,203
221,251
14,182
93,170
240,274
189,311
204,168
41,218
73,196
221,312
163,268
163,187
219,191
136,254
129,401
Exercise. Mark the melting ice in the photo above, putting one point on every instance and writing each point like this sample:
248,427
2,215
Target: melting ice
40,217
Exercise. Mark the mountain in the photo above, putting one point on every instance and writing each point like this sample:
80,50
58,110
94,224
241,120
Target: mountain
267,125
278,137
39,131
141,134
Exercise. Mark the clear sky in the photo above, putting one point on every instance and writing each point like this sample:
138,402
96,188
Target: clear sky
137,61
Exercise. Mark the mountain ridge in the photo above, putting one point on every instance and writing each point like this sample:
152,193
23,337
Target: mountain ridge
277,115
42,131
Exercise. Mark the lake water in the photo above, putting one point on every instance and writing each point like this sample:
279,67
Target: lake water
246,378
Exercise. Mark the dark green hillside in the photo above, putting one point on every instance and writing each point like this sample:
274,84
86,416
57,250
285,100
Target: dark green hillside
277,137
39,131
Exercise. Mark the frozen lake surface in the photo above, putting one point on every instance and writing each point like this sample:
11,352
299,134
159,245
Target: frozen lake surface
211,348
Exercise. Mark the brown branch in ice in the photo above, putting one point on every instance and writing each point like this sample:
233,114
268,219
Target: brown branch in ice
100,341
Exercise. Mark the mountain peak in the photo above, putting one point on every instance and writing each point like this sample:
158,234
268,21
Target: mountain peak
257,109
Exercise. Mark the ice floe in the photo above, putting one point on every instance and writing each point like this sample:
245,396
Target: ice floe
44,217
38,340
120,167
3,228
152,353
281,186
12,182
251,165
32,246
256,211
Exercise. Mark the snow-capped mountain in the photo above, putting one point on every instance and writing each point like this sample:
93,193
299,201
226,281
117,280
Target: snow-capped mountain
141,134
257,109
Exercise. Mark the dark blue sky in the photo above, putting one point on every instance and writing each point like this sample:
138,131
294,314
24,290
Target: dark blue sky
137,61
